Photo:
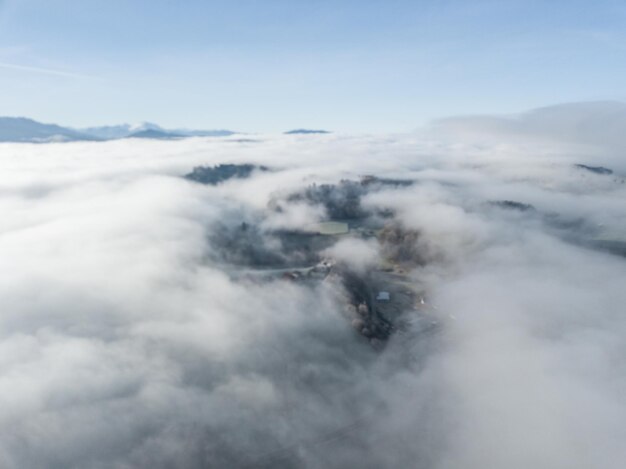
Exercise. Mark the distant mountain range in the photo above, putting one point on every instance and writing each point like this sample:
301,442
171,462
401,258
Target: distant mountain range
21,129
306,132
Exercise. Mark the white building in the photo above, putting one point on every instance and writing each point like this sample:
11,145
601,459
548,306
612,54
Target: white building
383,296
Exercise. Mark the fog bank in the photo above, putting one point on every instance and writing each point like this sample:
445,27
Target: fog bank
130,338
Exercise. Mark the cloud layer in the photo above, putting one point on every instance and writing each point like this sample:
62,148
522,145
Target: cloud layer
126,342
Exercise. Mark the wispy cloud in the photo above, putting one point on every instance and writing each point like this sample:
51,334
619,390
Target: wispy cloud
44,71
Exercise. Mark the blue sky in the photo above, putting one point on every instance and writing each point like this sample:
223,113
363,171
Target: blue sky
273,65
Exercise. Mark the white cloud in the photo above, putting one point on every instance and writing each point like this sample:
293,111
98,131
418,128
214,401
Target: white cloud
123,344
40,70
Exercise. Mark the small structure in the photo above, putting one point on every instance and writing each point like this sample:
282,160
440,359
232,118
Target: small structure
321,270
292,276
383,296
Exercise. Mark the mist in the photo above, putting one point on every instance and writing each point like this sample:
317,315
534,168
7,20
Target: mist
135,334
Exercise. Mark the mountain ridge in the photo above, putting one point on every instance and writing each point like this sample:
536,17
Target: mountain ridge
27,130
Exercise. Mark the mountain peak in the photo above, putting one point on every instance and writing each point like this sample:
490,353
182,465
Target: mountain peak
306,132
24,129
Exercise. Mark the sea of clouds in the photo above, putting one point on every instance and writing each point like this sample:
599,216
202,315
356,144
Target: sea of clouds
124,344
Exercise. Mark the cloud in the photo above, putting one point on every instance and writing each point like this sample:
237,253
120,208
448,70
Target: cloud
356,253
41,71
127,342
588,125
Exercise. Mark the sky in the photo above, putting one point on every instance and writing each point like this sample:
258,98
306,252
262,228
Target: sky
274,65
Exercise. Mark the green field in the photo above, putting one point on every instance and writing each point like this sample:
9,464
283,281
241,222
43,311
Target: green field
329,228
